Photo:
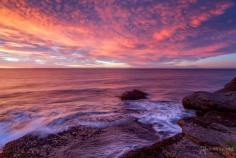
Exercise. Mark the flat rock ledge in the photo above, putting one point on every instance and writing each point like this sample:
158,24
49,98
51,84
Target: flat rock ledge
209,135
78,142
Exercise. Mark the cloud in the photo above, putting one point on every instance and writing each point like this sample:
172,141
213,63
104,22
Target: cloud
114,33
163,34
204,16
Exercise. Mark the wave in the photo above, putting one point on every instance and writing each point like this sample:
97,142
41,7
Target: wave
161,115
53,92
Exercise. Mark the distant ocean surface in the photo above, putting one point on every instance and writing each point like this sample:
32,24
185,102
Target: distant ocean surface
52,100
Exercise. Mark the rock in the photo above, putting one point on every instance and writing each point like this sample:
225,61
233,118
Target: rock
206,101
179,146
229,87
32,146
157,150
211,135
208,136
212,129
80,142
133,95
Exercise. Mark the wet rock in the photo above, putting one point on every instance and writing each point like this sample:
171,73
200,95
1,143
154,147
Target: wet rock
81,142
206,101
133,95
178,146
207,136
229,87
212,129
155,150
222,100
32,146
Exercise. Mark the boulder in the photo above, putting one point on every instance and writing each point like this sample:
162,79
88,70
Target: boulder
229,87
133,95
205,101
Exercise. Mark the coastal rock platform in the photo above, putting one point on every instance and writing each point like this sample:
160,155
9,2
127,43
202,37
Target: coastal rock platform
209,135
81,142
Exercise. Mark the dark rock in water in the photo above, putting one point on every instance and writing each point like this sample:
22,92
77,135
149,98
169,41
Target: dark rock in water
133,95
229,87
206,101
207,136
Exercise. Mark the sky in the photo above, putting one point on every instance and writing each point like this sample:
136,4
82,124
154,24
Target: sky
118,33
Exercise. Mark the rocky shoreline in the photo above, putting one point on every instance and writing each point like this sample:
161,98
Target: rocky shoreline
80,140
211,134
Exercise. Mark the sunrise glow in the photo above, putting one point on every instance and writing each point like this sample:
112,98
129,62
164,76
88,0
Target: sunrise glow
114,33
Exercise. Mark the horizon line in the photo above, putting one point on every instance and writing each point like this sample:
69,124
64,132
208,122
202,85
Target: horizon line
116,68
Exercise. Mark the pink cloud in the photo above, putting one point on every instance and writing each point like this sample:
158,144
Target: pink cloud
130,32
163,34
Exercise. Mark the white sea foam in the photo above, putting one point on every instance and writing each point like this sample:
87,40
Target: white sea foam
162,115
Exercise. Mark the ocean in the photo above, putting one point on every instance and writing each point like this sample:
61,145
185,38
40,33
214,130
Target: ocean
53,100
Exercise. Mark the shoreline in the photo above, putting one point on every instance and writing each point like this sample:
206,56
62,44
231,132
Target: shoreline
78,140
207,136
212,133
